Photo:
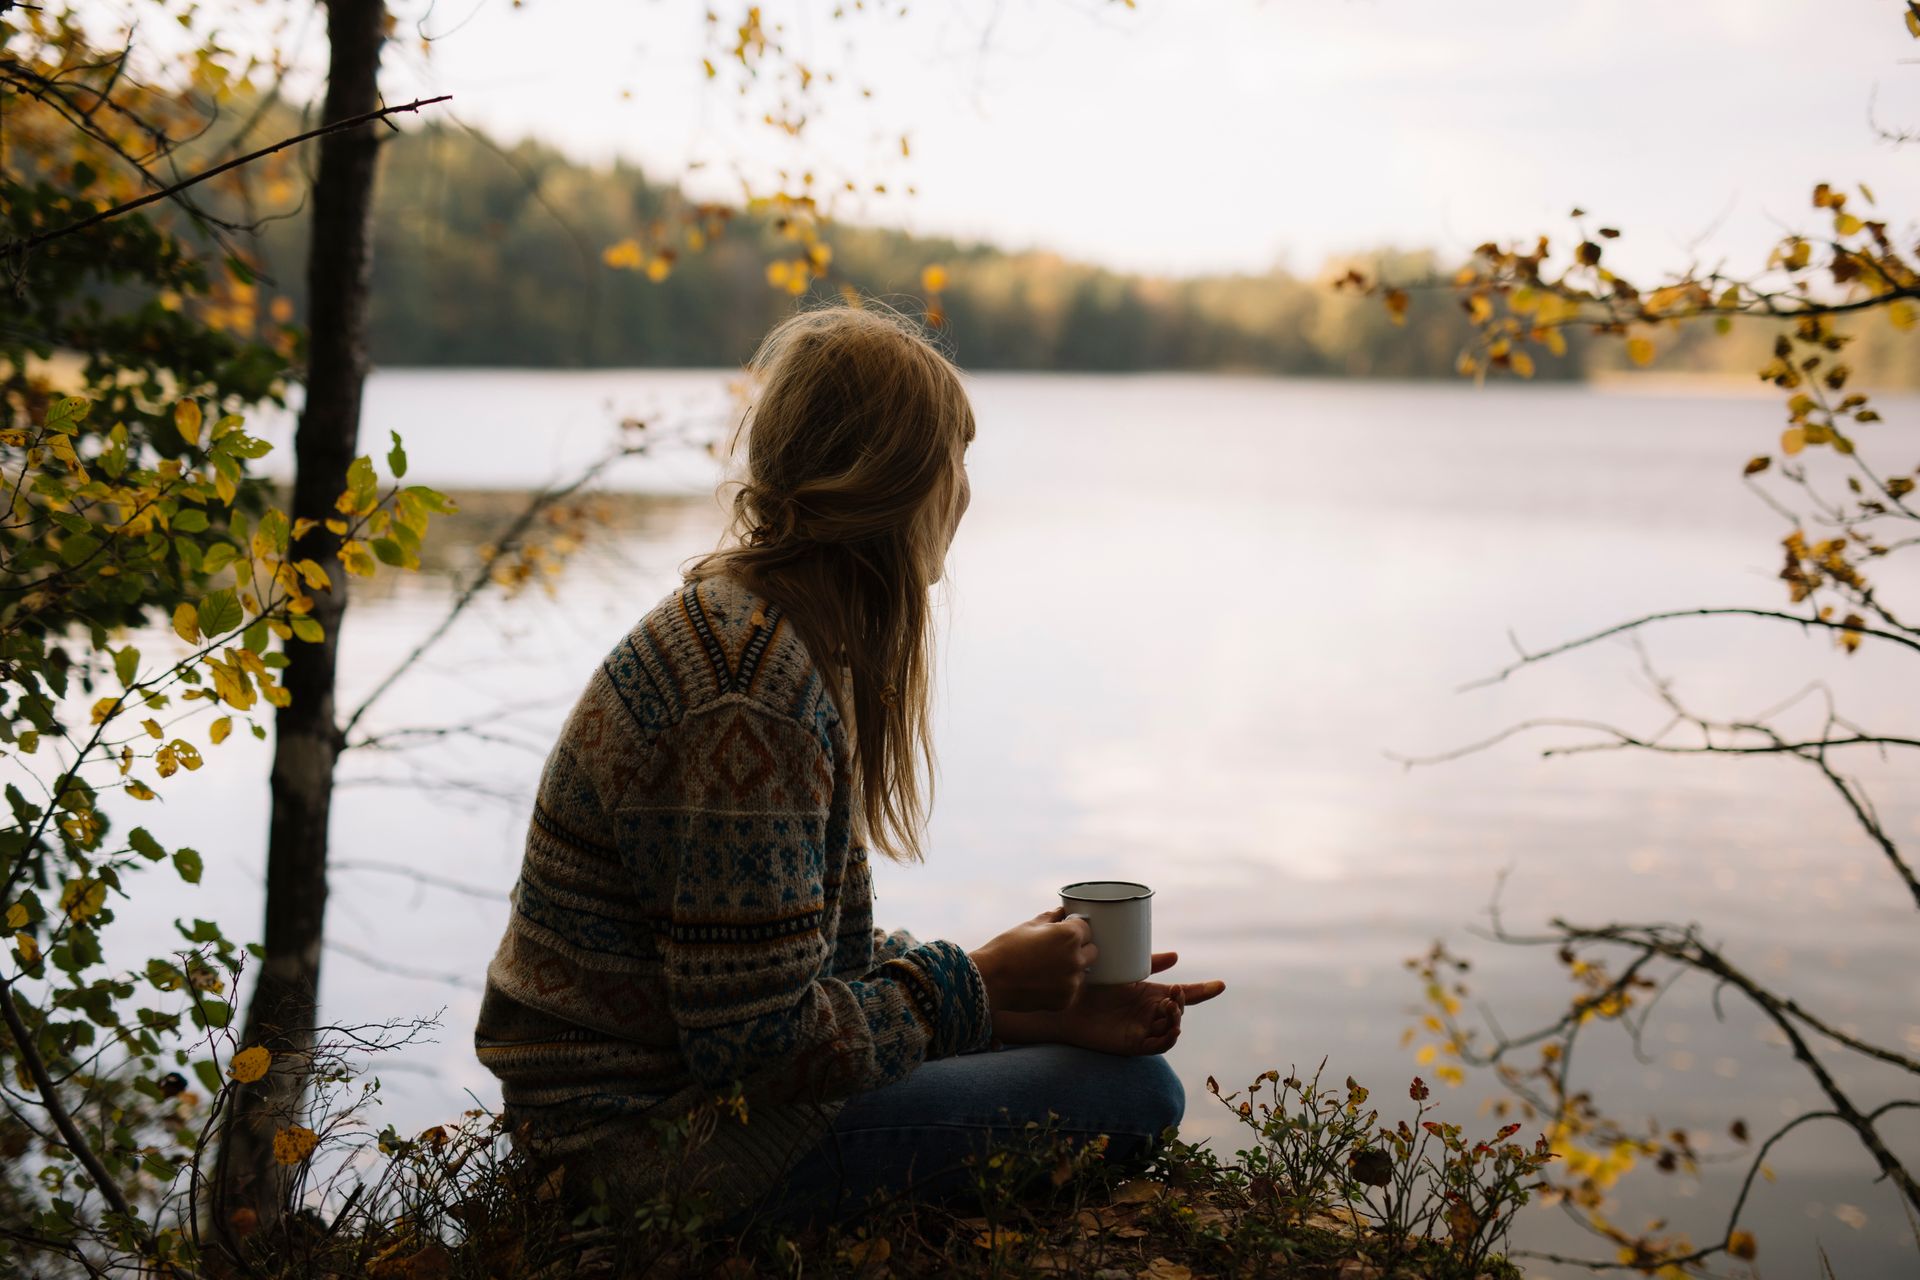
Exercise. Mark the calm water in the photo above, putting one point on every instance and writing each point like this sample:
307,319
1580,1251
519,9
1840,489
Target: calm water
1188,619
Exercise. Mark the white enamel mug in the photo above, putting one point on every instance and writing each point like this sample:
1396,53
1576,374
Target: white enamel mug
1121,916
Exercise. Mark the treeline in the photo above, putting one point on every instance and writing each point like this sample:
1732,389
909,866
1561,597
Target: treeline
491,255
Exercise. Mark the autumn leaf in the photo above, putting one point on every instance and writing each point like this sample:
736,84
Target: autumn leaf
186,622
1903,314
933,279
1756,465
998,1238
82,898
1741,1245
219,729
294,1143
17,916
249,1065
186,420
1523,364
1164,1269
1640,351
28,948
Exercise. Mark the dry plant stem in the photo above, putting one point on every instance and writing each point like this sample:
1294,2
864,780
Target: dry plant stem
32,242
50,1099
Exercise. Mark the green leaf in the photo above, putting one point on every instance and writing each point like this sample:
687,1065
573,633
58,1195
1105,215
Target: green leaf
126,665
396,457
307,629
145,845
208,1075
390,552
362,483
219,614
257,637
190,520
187,862
78,547
218,557
68,413
432,499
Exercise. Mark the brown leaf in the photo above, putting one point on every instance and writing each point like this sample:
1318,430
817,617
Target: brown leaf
1139,1191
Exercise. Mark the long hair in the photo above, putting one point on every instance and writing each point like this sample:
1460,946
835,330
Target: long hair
854,443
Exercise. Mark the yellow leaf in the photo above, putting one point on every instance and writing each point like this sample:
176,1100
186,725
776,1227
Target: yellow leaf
104,708
623,256
186,420
357,559
29,949
1903,314
139,790
1741,1245
1451,1074
658,269
186,621
186,753
1523,364
1556,342
933,279
313,575
1845,224
999,1238
1793,439
17,916
1479,308
1640,351
301,526
249,1065
224,485
153,728
219,729
294,1143
82,898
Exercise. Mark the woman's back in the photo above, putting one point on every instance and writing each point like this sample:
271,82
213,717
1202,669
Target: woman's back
692,903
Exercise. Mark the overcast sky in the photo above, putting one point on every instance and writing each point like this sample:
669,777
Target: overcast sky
1207,135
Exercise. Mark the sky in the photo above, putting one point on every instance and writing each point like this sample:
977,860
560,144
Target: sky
1194,136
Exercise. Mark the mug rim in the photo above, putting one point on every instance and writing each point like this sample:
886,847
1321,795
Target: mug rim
1066,891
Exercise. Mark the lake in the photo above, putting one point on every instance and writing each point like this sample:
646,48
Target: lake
1188,620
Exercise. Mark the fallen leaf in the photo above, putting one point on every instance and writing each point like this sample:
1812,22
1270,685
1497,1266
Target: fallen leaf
1163,1269
1138,1192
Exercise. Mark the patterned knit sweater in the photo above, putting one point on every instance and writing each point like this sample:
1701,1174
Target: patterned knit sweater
694,911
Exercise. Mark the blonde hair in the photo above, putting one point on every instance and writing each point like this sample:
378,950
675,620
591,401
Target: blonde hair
854,442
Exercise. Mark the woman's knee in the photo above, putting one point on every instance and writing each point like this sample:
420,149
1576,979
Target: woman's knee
1163,1101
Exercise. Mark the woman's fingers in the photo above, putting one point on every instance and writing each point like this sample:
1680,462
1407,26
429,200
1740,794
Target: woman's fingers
1198,992
1163,960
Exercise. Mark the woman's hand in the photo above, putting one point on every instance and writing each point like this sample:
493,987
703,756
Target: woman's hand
1038,966
1132,1018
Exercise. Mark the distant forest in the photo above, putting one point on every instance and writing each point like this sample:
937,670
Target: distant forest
492,255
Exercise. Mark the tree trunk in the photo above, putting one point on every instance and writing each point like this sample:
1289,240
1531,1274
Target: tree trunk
282,1014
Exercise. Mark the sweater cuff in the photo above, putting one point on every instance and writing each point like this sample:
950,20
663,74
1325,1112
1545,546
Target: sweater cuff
966,1020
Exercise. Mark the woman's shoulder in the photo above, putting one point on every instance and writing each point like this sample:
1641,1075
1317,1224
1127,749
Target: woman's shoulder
716,639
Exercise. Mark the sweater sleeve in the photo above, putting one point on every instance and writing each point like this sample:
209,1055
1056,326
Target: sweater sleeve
745,825
891,946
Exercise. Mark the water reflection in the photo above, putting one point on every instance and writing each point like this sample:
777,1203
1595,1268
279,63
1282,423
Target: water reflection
1189,617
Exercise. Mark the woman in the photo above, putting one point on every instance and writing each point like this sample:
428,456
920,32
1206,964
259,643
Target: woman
693,917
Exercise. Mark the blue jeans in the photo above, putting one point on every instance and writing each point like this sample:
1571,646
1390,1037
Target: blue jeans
917,1133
